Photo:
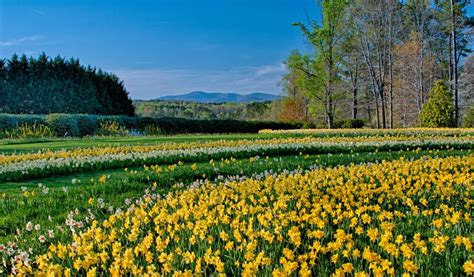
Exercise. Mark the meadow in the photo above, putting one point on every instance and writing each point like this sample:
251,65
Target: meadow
292,202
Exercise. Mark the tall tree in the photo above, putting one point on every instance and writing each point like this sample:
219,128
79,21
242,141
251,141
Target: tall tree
466,95
326,38
418,13
55,85
454,20
296,104
406,83
372,22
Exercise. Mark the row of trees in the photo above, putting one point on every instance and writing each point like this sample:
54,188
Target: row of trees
208,111
378,60
46,85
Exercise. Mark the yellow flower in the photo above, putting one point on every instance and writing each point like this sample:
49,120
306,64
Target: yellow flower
347,267
295,236
229,245
102,179
373,234
410,266
469,267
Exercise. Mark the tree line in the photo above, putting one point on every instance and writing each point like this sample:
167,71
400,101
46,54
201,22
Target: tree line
207,111
378,60
46,85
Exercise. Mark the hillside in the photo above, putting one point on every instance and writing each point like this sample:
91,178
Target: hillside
219,97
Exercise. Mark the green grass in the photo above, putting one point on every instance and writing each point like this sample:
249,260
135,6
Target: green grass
22,146
34,145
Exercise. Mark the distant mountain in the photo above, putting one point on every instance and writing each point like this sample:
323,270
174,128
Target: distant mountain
218,97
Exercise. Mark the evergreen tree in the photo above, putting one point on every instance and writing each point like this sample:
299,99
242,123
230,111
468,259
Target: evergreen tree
46,85
438,111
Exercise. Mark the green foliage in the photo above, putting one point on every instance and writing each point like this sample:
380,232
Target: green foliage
152,130
349,124
87,124
438,111
468,119
111,128
54,85
79,125
28,131
325,65
12,121
63,125
205,111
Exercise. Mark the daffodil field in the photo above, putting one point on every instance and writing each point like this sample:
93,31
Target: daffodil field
279,203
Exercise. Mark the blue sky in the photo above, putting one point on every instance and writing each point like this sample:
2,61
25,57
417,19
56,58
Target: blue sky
163,46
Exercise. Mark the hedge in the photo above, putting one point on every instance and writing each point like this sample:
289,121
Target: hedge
349,123
78,125
12,121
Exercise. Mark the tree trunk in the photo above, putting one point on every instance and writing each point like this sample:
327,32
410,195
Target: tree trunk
421,66
421,74
376,107
354,103
390,63
354,81
455,63
382,100
329,109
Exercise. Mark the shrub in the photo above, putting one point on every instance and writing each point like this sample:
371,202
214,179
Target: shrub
142,123
152,130
63,125
468,119
167,125
8,121
87,124
111,128
349,124
84,125
309,125
438,111
28,131
12,121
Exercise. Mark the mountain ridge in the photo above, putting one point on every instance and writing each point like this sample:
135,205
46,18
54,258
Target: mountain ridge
220,97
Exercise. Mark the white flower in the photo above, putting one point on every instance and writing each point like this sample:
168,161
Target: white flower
10,251
29,226
37,227
50,233
42,239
